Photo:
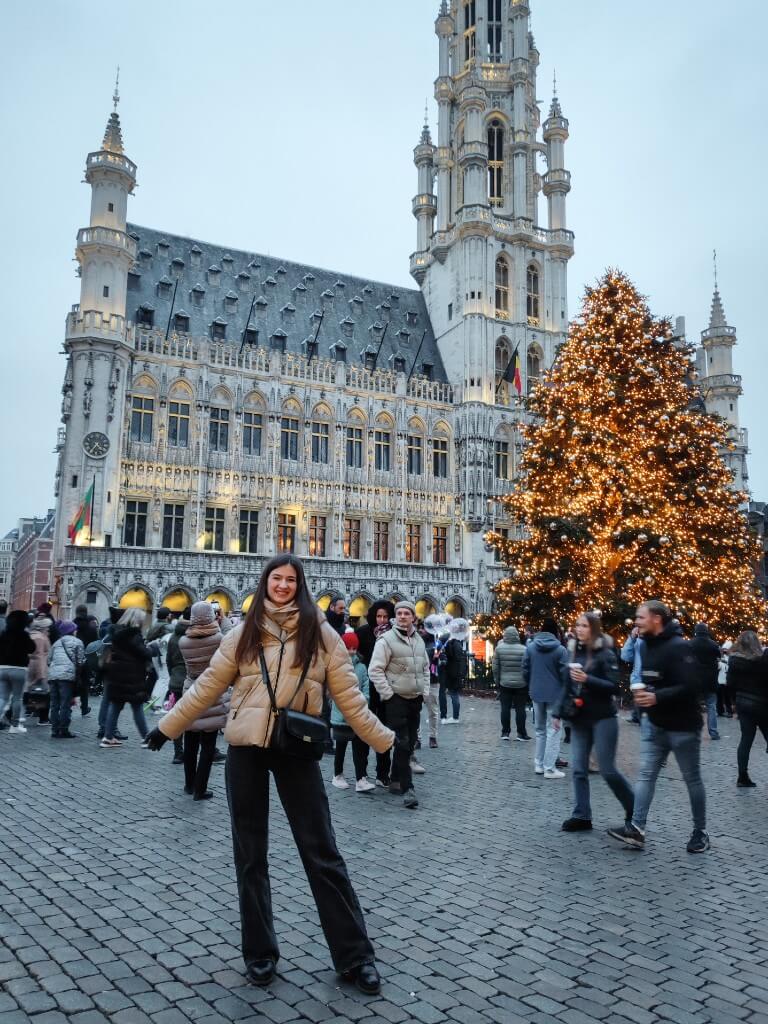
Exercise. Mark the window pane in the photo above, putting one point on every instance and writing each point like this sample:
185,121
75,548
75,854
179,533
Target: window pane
351,543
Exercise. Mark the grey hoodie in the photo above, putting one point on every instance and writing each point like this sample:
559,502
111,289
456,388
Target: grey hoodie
543,664
508,661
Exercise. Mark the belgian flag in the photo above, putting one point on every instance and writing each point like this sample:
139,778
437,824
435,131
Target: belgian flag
512,374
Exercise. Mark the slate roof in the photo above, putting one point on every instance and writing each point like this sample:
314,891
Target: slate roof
217,285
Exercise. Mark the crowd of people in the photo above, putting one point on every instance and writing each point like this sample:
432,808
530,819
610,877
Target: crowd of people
290,684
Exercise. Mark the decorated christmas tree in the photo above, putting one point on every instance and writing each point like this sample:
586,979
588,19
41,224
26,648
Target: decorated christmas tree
623,494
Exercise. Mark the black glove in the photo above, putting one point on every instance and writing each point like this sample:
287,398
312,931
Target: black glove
155,739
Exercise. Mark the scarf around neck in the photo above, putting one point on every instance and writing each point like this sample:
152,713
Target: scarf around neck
285,617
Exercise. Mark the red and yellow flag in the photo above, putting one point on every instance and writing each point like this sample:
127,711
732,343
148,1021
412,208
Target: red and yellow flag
83,518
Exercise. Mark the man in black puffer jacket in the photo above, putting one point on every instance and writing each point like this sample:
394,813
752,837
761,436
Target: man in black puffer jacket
707,655
670,696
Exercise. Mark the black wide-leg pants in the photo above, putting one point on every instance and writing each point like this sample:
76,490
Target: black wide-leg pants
302,793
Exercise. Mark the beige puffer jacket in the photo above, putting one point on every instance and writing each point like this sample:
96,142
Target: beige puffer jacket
250,718
400,664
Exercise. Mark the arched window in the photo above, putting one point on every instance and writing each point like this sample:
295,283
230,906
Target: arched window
441,462
321,434
533,296
533,366
289,431
502,288
253,423
355,439
143,410
503,356
415,447
382,443
503,454
470,29
496,163
179,415
218,424
495,31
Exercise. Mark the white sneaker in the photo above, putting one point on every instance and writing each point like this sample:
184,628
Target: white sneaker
445,721
364,786
416,768
16,728
554,773
538,769
339,782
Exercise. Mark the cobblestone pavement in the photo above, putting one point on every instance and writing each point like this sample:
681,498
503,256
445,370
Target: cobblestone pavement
118,901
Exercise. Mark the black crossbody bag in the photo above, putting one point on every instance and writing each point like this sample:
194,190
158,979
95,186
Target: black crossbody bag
294,733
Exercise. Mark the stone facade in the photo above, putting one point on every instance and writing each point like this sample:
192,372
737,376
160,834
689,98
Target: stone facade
33,575
222,405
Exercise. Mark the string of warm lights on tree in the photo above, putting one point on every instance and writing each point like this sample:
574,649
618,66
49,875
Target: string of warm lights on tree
623,494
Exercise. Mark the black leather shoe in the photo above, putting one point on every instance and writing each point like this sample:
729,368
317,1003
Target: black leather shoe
207,795
365,977
219,758
261,972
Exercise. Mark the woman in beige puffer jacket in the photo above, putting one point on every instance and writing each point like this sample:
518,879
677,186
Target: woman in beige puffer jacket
294,634
198,645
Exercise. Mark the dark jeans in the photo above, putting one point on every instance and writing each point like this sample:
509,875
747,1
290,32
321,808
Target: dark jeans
443,699
302,794
113,713
199,748
61,703
603,735
656,745
83,693
724,700
359,756
383,761
103,709
751,718
403,716
517,699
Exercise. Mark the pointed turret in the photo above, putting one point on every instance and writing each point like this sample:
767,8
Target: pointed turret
424,202
721,387
557,181
113,136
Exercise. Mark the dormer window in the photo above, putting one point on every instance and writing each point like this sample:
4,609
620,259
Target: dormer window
340,286
181,322
162,247
145,316
398,364
230,302
270,281
227,260
368,290
277,341
197,294
196,256
164,287
243,280
281,270
411,317
145,255
310,348
339,352
299,288
347,327
288,310
251,336
404,336
369,360
219,329
427,370
308,277
214,274
177,266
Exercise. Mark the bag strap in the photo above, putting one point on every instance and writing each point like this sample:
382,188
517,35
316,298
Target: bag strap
268,682
66,651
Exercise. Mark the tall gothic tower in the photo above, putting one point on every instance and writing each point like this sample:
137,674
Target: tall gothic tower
721,387
494,276
98,357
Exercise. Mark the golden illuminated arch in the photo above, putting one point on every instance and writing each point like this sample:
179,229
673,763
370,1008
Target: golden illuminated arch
222,598
136,597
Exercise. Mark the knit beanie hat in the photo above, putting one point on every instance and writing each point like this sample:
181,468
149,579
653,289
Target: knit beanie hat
202,614
350,641
67,628
406,604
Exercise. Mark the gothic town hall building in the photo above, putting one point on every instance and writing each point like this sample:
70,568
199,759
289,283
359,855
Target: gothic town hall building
226,405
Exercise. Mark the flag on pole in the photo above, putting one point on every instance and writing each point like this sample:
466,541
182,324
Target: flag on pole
512,374
84,516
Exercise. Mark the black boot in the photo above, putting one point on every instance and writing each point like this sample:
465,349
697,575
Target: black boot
261,972
744,781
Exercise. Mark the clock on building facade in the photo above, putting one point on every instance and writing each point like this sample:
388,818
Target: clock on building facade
96,444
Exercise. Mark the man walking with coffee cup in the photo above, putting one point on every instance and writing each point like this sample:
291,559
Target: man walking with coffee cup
669,694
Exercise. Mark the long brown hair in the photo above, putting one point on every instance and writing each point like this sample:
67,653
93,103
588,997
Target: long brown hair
747,646
309,637
595,627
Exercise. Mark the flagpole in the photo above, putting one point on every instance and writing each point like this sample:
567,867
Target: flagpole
416,357
93,501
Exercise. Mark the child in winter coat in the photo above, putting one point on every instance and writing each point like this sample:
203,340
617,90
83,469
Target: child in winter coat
342,733
65,662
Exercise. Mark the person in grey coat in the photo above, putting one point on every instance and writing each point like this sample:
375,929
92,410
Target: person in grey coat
507,667
65,662
543,670
198,645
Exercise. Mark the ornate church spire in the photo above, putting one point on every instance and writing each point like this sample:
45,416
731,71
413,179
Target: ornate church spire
717,313
113,136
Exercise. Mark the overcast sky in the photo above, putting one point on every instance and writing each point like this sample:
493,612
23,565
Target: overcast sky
289,128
